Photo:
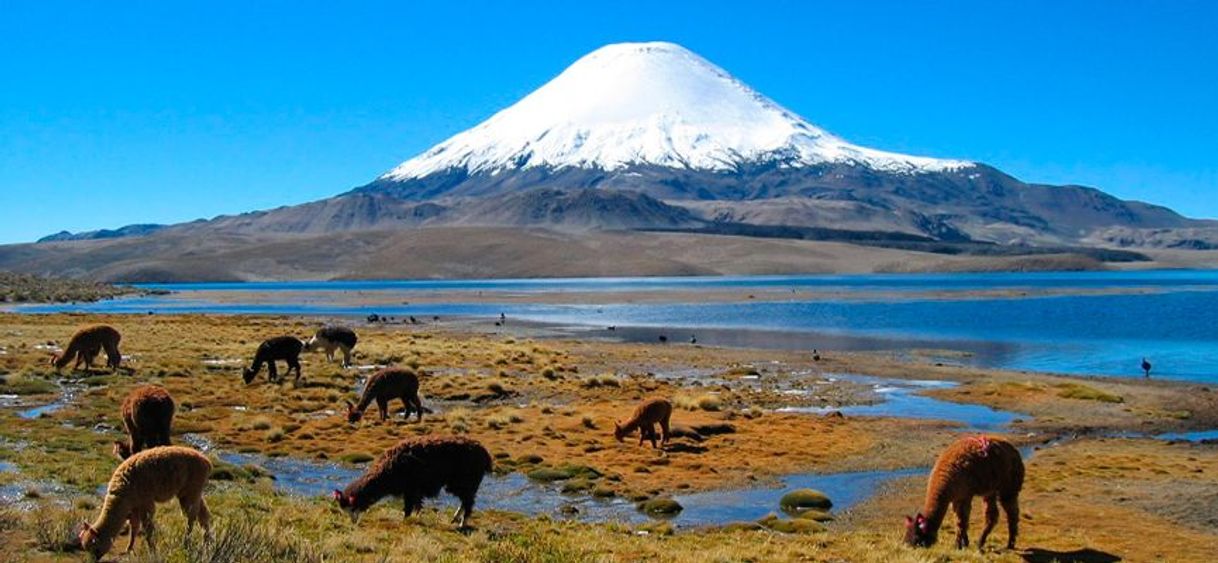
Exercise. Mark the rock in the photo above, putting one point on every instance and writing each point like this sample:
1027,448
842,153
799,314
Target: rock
804,499
834,414
660,507
793,526
576,486
815,515
742,526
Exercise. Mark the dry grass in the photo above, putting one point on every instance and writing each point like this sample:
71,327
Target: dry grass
560,425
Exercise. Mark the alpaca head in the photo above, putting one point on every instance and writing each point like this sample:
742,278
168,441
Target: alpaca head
122,450
618,431
248,374
310,344
92,542
353,414
918,532
347,503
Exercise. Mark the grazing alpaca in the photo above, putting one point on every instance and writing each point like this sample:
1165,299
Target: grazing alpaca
976,466
87,343
417,468
330,338
1146,366
286,348
384,386
147,417
645,417
138,484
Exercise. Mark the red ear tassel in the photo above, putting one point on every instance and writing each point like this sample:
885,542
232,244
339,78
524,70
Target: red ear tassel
338,495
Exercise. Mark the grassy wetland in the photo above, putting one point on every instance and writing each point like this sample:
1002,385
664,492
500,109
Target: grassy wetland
1097,489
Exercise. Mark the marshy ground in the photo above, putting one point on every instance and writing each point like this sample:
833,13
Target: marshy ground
545,408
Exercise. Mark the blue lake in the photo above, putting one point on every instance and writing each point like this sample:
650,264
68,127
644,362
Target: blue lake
1167,316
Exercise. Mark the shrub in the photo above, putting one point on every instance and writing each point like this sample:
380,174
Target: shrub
1086,393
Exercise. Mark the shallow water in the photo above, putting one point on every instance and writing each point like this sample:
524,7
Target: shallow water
901,398
1107,334
1196,436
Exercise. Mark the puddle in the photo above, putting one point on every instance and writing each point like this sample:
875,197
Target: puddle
223,361
902,398
67,393
715,508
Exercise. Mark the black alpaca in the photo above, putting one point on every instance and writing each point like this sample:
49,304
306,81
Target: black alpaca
286,348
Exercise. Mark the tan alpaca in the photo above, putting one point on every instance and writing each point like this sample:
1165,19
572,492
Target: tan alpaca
147,417
87,343
646,416
976,466
138,484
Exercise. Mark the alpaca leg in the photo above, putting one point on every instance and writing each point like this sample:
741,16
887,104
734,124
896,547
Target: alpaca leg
1011,506
294,364
407,406
113,357
418,406
150,527
651,435
991,518
664,431
962,508
410,504
467,507
346,356
272,372
383,406
134,521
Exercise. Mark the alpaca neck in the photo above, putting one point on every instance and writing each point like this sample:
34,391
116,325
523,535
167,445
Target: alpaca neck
368,489
935,510
367,397
114,513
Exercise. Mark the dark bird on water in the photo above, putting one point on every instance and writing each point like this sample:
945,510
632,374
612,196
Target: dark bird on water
612,327
815,355
693,339
663,338
1146,366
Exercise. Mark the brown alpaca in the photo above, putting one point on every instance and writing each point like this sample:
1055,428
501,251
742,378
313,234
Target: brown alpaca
147,417
138,484
384,386
417,468
645,417
285,348
87,343
976,466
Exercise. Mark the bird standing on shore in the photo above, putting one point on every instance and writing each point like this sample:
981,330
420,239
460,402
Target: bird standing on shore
1146,367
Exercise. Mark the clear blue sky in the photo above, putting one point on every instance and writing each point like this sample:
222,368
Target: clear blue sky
118,113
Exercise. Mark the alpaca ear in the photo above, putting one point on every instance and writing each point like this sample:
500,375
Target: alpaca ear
338,496
908,522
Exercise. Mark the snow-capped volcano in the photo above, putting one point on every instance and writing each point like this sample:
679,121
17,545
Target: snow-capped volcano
655,104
